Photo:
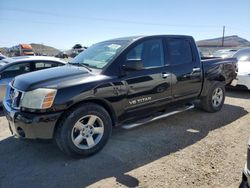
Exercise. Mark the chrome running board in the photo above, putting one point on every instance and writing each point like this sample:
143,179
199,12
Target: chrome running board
130,126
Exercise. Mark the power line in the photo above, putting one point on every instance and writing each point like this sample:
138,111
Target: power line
30,21
108,20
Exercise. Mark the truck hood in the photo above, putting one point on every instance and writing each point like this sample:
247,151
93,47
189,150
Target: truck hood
56,78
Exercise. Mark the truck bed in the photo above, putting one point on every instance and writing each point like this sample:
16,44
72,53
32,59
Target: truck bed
226,66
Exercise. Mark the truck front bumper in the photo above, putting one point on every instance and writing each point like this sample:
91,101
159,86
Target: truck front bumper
30,125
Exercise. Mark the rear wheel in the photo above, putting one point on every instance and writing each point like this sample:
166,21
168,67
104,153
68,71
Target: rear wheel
215,98
84,130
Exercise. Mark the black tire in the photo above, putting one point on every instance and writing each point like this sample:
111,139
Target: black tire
63,135
207,102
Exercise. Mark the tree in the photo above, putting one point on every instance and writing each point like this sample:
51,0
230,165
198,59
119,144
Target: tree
77,46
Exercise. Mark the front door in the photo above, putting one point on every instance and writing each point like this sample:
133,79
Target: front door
151,86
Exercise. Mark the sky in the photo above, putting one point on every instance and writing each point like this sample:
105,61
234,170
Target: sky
61,23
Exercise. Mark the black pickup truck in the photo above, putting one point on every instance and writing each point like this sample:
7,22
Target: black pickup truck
125,81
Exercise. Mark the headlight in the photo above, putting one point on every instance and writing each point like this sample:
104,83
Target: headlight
39,98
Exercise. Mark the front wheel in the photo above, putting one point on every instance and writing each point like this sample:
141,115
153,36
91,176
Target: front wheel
84,131
215,98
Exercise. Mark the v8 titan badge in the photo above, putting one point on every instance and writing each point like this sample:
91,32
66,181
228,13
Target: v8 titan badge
141,100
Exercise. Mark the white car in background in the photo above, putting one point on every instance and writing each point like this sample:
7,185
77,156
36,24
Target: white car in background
14,66
243,77
224,53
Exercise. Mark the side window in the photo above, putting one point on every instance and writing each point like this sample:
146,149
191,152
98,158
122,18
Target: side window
16,70
180,51
44,65
135,53
150,52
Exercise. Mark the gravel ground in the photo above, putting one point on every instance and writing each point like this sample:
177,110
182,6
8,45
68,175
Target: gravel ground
191,149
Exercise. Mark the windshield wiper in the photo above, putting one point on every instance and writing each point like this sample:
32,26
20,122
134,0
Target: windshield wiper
85,65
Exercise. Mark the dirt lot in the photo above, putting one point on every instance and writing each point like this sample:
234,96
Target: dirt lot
191,149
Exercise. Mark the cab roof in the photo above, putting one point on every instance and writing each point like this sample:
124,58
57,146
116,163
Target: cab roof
134,38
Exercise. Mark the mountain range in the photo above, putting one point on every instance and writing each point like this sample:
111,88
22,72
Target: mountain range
229,41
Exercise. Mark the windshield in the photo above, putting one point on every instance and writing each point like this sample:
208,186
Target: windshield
243,55
100,54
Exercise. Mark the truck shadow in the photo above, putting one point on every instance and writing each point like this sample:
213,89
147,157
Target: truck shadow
43,165
238,93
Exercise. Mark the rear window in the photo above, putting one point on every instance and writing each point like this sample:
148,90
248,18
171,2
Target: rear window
180,51
44,65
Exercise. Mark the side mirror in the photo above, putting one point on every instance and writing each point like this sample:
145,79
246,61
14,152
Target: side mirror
133,65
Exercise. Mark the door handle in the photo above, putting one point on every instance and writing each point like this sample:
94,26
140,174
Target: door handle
195,69
165,75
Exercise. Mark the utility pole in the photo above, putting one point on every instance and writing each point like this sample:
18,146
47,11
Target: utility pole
223,36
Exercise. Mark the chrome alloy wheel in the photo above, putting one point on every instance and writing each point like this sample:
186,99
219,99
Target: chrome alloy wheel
87,132
217,97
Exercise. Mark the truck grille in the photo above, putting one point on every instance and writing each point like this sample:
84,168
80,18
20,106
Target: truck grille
14,97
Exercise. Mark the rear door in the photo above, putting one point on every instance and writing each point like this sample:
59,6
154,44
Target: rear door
185,67
150,87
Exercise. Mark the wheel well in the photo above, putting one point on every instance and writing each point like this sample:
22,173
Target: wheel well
207,84
95,101
220,78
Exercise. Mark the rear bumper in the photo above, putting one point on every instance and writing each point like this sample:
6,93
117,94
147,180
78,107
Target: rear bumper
29,125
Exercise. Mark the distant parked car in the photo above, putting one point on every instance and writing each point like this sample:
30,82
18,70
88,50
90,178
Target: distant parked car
62,55
243,78
77,49
225,53
12,67
2,56
22,50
